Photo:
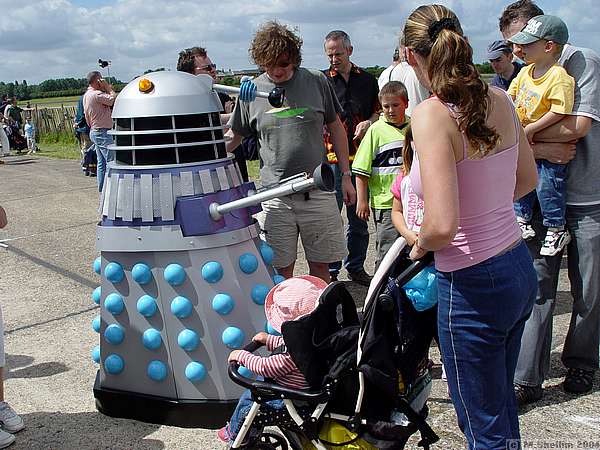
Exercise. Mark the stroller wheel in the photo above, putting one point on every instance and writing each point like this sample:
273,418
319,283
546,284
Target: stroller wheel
271,440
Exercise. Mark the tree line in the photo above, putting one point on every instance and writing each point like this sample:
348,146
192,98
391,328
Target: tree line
63,87
60,87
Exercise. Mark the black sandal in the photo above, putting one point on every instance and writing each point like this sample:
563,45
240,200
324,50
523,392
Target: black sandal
578,381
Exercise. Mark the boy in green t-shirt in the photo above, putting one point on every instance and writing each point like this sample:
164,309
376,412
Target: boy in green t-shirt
378,162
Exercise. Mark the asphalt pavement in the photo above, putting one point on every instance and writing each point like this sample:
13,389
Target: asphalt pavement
46,281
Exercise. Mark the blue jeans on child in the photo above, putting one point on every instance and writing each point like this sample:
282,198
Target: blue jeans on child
101,140
551,193
243,408
482,311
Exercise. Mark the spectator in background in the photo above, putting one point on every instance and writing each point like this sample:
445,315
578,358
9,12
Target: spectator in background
12,113
405,74
500,56
97,106
195,60
557,144
89,160
356,90
9,420
30,136
386,75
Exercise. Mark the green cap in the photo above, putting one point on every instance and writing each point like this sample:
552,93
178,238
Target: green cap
549,28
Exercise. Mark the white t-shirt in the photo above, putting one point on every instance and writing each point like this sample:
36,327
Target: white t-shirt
412,206
404,73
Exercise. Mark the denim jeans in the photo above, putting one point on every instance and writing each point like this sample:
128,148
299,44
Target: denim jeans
101,140
583,263
482,310
550,192
357,231
243,408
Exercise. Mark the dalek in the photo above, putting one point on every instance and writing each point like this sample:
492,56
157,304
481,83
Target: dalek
184,272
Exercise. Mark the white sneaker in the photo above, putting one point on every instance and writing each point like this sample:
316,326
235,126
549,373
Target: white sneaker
9,419
527,231
555,241
6,439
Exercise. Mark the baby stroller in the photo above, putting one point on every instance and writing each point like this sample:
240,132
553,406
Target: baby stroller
362,374
16,141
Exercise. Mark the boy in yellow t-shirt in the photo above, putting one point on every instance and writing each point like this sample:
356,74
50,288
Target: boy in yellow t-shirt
543,93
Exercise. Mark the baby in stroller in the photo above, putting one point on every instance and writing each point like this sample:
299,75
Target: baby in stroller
289,300
369,377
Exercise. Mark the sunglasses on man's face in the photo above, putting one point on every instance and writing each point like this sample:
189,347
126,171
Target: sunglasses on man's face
207,68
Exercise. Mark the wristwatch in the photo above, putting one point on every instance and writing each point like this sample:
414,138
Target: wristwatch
348,173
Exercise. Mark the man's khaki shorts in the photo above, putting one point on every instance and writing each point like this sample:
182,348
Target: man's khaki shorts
317,221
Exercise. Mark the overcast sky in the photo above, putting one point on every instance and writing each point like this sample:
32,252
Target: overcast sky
41,39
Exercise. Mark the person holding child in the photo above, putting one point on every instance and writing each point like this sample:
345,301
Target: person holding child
543,93
377,163
573,140
471,161
289,300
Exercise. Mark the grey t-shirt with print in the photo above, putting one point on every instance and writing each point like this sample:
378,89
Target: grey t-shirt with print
583,179
290,141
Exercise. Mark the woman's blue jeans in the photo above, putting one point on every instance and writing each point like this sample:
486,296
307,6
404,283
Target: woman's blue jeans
482,311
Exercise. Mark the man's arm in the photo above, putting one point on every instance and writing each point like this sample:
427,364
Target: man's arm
557,142
362,127
570,128
340,147
232,140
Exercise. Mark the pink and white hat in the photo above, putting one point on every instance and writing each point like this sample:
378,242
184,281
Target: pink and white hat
292,299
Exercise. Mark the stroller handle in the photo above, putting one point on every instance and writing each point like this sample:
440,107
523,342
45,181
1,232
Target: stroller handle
407,274
386,300
268,389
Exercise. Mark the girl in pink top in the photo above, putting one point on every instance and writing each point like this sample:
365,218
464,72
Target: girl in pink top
407,209
472,160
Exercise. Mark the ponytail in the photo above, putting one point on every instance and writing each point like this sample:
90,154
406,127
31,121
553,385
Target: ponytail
434,32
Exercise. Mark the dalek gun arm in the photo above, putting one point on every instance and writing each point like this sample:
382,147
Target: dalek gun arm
322,179
276,97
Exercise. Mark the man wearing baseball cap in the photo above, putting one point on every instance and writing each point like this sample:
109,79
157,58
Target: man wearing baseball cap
579,355
501,59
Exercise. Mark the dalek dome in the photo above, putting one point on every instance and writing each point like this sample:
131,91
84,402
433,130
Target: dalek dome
167,118
169,93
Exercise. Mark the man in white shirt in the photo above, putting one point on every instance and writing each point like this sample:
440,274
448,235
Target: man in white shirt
403,72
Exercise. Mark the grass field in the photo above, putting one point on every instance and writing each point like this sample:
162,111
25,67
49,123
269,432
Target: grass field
51,101
59,151
71,151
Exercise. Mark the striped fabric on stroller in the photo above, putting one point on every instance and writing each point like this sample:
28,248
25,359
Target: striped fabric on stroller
370,376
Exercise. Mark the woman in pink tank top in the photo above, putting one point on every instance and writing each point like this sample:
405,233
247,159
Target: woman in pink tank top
471,162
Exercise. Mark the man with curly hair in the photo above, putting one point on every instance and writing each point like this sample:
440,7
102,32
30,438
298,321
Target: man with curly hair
290,142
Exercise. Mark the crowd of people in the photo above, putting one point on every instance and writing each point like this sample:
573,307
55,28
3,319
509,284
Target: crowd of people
496,180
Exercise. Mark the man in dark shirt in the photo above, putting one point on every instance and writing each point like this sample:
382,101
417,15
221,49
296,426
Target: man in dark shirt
195,60
501,58
357,92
